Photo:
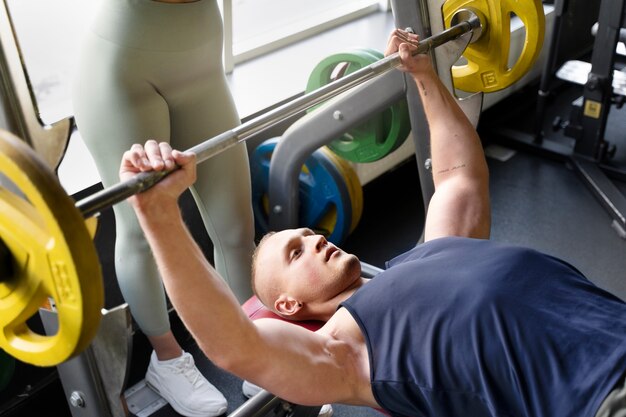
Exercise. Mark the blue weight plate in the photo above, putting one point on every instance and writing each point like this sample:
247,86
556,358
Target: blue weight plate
324,198
259,173
327,206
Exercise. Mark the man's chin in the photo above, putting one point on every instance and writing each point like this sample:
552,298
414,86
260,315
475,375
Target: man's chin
354,265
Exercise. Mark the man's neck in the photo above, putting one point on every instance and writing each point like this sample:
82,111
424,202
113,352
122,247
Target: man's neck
330,307
347,293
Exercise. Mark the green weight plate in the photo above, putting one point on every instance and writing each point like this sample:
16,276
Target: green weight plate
374,52
382,133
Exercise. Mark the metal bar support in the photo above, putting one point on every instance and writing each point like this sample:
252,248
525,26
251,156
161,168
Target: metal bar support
317,129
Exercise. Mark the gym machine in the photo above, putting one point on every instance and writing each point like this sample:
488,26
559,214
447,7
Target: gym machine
73,279
603,87
49,140
322,126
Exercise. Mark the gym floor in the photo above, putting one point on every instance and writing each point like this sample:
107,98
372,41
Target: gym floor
536,202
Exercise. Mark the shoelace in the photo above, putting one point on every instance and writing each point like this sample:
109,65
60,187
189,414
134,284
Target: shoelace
187,368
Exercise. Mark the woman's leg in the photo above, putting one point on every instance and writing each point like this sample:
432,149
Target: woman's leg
201,106
227,214
113,110
222,190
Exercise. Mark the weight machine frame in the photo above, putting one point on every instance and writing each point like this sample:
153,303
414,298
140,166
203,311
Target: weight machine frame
353,108
18,100
590,152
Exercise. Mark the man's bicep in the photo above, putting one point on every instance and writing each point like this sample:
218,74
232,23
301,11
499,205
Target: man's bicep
458,208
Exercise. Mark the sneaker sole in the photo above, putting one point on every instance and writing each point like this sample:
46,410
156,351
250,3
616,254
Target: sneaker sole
184,411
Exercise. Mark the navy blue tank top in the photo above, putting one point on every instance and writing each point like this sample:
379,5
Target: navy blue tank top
464,327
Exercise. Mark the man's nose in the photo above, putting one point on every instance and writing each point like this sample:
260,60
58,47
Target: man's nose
320,242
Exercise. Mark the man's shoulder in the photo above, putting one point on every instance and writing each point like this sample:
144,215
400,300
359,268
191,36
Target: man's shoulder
428,248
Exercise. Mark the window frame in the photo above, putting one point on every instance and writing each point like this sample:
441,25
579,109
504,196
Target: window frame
231,59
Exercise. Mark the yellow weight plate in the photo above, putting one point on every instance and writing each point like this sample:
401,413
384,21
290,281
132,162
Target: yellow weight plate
92,226
352,182
53,258
488,68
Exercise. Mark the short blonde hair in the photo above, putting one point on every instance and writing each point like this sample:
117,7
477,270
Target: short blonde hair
255,269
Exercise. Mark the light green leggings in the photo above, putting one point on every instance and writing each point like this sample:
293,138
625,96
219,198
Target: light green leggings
151,70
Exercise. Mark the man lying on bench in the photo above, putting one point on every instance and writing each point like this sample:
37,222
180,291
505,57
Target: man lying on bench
459,325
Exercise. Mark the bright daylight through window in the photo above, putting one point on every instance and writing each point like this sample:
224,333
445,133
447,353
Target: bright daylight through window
260,26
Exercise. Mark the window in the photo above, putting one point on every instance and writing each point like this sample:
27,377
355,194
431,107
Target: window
255,27
49,34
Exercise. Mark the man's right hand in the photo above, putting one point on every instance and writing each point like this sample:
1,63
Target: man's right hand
154,156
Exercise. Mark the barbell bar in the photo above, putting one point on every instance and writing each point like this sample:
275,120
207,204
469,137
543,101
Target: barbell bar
95,203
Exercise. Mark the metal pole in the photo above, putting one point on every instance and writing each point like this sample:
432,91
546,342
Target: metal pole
546,76
94,204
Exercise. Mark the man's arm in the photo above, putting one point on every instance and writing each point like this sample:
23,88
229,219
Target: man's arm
281,357
460,205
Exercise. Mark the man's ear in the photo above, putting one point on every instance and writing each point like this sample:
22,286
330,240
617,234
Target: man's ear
286,305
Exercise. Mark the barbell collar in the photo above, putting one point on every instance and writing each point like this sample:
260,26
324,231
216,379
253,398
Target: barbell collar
474,18
94,204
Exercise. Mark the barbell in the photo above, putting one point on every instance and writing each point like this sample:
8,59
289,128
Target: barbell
47,252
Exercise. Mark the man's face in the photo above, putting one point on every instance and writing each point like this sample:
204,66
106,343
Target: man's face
303,265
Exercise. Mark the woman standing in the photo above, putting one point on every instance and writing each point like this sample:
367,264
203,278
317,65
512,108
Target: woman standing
152,69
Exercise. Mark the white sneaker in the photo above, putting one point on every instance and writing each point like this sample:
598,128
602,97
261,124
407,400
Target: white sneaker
250,390
183,386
